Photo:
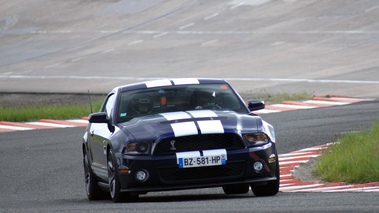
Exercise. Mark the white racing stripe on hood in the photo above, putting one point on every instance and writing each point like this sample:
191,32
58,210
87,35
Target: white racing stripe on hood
190,127
158,83
184,128
202,113
185,81
170,116
210,127
167,82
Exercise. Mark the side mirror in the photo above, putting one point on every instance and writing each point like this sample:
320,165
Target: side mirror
256,105
101,117
98,117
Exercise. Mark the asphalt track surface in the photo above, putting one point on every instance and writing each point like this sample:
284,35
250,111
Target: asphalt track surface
41,171
317,46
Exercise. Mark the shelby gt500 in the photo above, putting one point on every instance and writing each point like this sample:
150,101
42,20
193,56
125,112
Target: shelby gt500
178,134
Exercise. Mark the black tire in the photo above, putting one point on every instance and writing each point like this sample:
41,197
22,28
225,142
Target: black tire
114,183
113,180
236,189
271,188
92,189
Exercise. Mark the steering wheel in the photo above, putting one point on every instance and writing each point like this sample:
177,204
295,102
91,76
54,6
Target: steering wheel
211,106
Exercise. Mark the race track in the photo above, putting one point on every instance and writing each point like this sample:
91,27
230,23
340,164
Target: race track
75,46
41,171
322,47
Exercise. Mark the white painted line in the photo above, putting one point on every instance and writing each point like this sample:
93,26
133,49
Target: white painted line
51,32
266,111
237,5
284,185
76,59
282,176
14,127
211,16
107,32
342,99
294,154
293,106
50,124
291,162
309,149
376,189
108,50
186,26
328,188
78,121
160,35
372,8
347,190
291,188
297,157
326,102
135,42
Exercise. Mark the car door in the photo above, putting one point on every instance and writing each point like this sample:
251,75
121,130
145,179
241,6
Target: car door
98,136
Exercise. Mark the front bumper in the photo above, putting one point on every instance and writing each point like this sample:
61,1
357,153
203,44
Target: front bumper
163,172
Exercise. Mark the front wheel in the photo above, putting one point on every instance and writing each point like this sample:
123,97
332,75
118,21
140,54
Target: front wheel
114,182
271,188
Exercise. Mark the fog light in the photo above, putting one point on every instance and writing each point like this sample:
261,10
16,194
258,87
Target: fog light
142,175
258,166
142,147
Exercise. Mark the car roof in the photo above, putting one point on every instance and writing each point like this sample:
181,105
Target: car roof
169,82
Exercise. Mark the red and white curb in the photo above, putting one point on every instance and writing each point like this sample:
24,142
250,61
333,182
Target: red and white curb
6,126
288,162
315,102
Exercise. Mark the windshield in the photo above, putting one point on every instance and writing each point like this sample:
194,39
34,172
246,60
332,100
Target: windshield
178,98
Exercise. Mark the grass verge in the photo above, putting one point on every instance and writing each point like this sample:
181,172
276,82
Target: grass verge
353,159
33,112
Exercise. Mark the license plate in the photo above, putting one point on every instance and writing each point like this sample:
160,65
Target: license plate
200,161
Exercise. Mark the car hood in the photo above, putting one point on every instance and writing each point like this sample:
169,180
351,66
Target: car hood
183,123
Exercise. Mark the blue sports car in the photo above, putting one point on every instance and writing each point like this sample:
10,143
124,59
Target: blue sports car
175,134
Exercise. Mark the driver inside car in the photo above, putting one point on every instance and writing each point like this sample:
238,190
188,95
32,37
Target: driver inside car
142,104
204,99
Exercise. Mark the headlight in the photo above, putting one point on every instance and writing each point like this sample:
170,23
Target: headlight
137,148
256,138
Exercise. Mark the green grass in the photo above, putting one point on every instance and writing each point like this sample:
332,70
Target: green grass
273,98
35,112
354,159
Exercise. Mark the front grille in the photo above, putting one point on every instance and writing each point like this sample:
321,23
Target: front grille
202,173
198,142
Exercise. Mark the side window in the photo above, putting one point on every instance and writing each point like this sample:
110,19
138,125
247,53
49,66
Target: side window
110,104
